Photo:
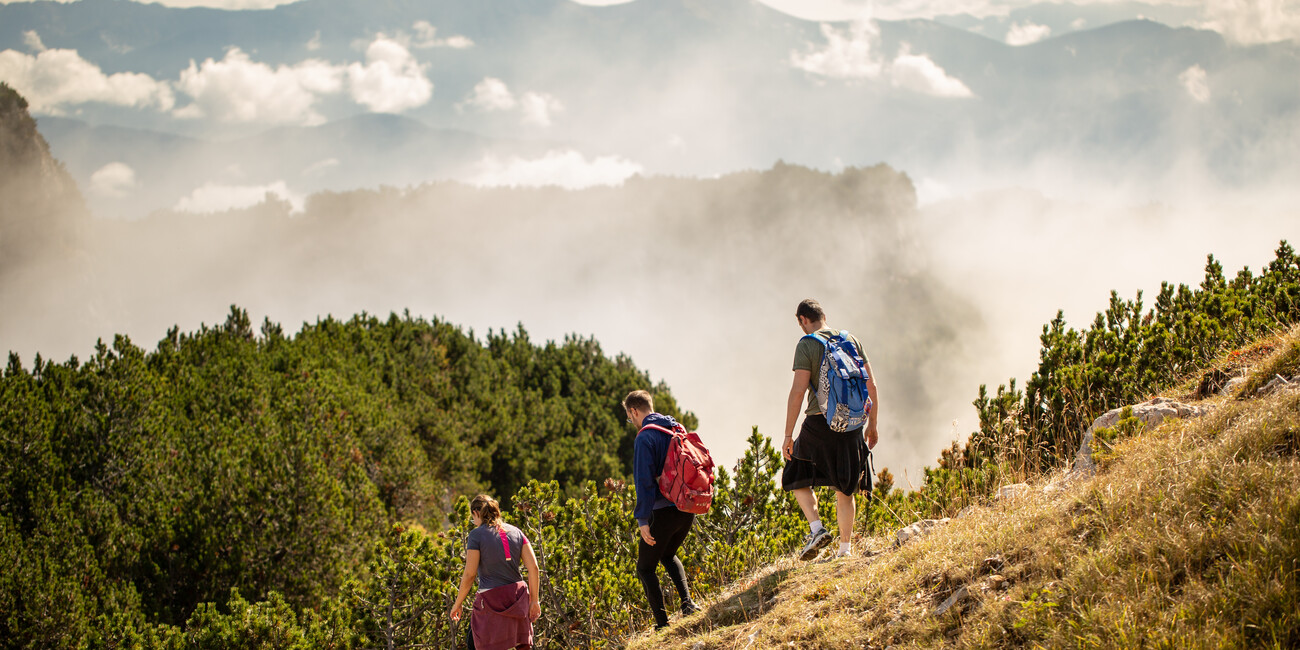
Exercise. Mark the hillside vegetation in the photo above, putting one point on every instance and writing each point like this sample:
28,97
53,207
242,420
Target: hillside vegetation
136,485
1189,536
235,490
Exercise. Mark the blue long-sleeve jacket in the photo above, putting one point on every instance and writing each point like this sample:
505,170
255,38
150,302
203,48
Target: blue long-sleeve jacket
648,455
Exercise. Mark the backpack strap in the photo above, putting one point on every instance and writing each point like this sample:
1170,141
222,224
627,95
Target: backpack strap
816,337
671,432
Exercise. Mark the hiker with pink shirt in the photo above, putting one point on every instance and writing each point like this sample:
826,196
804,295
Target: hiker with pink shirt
506,606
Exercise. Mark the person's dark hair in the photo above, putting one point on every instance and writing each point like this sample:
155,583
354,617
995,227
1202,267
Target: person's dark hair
487,510
810,309
639,400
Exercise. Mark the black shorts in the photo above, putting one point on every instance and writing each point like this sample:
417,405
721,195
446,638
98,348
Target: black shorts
825,458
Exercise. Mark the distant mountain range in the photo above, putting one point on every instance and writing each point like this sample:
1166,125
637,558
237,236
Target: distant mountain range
367,150
681,87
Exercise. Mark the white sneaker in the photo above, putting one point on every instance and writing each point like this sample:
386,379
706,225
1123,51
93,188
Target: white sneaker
814,543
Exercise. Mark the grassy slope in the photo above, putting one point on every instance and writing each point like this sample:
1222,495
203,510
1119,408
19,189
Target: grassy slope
1189,536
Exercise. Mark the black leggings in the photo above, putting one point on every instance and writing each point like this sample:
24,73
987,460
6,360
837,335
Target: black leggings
668,526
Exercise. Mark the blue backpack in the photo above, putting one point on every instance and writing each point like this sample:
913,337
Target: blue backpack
842,383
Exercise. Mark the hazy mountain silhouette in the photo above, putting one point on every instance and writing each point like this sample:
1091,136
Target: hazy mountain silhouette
366,150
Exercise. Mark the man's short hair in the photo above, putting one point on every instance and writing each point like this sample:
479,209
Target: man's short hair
811,309
639,400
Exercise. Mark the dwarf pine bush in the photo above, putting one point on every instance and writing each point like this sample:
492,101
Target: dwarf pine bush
1126,355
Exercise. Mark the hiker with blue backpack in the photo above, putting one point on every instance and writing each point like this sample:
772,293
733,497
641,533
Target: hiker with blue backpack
673,476
839,427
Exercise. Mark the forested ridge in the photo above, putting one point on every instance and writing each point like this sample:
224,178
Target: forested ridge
137,484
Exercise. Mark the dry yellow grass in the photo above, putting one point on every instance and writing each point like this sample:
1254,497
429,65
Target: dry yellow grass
1189,536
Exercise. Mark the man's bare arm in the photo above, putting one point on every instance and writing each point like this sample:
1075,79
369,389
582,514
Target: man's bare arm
792,408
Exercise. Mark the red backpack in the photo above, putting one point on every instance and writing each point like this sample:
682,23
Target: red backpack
687,479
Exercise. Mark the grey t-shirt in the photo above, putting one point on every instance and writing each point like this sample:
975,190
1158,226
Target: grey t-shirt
494,569
808,356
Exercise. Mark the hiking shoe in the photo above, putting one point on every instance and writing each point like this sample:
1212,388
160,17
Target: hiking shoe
689,607
843,553
814,543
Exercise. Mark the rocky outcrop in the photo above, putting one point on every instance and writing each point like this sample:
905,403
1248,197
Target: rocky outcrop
918,529
1276,384
41,210
1012,491
1150,413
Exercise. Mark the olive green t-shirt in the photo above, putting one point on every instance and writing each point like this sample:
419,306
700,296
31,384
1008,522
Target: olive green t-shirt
808,356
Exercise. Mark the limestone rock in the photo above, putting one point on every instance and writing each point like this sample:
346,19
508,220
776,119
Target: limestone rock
1012,491
918,529
956,597
1151,413
1279,383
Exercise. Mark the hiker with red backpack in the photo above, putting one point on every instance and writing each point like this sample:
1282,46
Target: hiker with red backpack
673,476
839,427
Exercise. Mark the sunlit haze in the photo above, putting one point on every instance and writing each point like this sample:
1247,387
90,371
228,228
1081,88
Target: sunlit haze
670,177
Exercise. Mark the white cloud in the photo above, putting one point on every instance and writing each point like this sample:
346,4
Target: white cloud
1078,23
852,54
238,89
848,54
426,36
54,78
214,197
1026,33
33,41
1194,81
391,81
233,89
458,42
929,191
319,167
538,108
568,169
919,74
491,95
314,43
1254,21
115,180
